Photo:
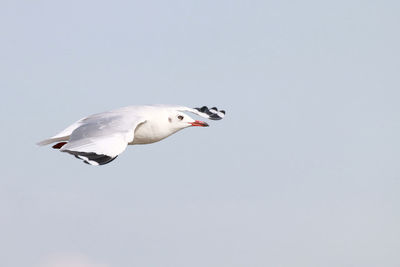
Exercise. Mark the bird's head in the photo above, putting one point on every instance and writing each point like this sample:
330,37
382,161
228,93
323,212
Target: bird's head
179,120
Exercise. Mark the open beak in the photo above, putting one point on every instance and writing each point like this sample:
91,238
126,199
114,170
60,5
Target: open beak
199,123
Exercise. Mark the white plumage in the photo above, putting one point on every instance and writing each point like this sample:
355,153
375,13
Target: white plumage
100,138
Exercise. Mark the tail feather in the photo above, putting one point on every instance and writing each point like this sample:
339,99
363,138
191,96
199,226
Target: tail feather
61,136
52,140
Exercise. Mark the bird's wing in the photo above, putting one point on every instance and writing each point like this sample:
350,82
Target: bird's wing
61,136
102,137
205,112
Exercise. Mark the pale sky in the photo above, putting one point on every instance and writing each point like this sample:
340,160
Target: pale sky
303,171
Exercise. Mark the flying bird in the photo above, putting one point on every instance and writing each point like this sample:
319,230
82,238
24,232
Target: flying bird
98,139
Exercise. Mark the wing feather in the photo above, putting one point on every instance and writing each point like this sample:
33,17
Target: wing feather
205,112
102,137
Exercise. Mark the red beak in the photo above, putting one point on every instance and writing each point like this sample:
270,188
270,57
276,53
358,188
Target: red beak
199,123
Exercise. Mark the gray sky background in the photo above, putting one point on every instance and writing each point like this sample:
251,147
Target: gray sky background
303,171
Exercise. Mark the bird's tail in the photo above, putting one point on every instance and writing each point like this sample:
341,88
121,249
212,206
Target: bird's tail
52,140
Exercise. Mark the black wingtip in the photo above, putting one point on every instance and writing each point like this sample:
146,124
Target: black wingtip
91,158
212,113
204,109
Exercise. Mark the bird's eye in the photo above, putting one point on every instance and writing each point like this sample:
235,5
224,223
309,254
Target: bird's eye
180,117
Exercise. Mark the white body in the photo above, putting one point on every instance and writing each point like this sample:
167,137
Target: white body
100,138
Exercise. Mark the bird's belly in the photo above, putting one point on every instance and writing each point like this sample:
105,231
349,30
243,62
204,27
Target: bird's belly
144,140
145,134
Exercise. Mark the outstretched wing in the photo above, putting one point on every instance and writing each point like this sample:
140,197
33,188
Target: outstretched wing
205,112
102,137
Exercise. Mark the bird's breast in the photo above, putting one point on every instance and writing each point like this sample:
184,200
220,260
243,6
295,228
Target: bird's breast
148,133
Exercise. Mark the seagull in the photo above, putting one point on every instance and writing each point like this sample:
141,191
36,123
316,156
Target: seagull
99,138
